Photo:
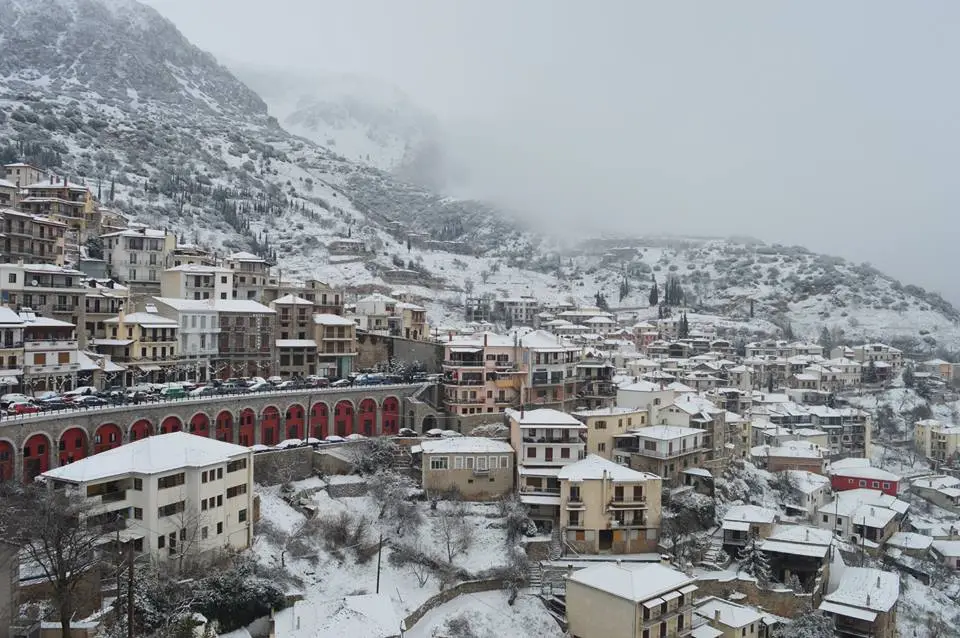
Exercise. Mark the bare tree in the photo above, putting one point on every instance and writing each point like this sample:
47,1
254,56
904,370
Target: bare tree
193,527
59,537
391,491
455,530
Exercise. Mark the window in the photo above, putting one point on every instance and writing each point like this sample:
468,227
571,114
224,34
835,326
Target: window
565,453
481,462
203,477
219,528
219,473
601,425
220,500
170,510
137,483
504,462
203,505
531,452
876,484
863,483
138,513
12,278
236,490
203,533
161,541
170,481
239,464
242,516
601,447
183,533
458,462
886,485
439,462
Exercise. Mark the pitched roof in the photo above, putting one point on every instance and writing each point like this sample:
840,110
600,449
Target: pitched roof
595,467
293,299
466,445
543,416
332,320
152,455
867,588
635,582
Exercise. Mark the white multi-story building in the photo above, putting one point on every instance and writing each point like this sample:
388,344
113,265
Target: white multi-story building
199,331
138,256
197,281
251,276
51,358
177,494
545,440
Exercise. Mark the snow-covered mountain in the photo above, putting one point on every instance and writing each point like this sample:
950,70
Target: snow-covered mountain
360,118
112,93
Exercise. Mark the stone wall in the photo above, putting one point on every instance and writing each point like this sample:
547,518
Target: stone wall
782,602
374,349
279,466
469,587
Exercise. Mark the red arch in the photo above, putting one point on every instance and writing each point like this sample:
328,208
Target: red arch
73,445
171,424
107,437
391,415
141,430
36,456
368,417
319,420
247,433
225,427
7,459
270,426
200,424
295,421
343,418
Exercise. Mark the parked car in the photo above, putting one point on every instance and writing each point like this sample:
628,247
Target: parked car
205,391
23,407
260,387
341,383
173,392
89,401
275,380
15,397
82,391
53,405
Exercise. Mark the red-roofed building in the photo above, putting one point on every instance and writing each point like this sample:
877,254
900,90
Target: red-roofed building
866,477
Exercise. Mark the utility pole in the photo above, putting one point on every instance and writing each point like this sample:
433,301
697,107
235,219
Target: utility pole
379,551
129,591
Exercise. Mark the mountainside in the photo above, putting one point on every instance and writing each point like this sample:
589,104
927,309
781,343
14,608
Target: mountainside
361,119
111,92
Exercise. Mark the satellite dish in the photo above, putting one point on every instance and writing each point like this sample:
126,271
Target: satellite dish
34,283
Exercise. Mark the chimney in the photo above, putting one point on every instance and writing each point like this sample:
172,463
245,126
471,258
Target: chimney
716,616
868,600
485,336
619,563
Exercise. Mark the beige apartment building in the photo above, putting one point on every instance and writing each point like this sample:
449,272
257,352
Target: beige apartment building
664,450
606,423
630,600
336,339
32,238
608,508
479,469
138,257
481,374
936,440
146,342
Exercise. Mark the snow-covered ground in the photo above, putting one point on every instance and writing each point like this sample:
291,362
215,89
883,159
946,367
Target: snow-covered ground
488,615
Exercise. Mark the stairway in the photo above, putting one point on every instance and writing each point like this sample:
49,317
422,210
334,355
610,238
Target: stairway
535,577
556,545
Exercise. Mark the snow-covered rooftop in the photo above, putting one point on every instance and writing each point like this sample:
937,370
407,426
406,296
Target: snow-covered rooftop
633,582
145,319
751,514
152,455
245,256
547,417
292,299
466,445
910,540
296,343
729,613
595,467
360,616
241,305
866,588
663,432
872,473
611,411
325,319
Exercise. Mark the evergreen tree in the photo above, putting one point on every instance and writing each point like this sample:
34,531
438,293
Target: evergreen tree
753,561
788,332
826,341
408,244
751,308
909,380
684,327
601,302
812,624
870,373
770,383
654,297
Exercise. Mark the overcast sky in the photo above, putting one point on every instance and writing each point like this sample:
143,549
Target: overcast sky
828,124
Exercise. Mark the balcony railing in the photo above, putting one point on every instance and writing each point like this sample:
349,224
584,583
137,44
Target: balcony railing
114,497
480,471
527,489
463,382
628,502
463,364
658,454
571,440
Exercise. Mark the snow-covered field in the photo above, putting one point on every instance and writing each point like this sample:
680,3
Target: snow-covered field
488,615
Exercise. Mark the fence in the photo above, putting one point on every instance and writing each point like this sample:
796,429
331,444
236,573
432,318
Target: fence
469,587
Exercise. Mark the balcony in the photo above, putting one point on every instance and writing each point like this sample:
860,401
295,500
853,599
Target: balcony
569,440
550,491
114,497
628,503
480,471
663,454
471,364
473,382
576,503
51,344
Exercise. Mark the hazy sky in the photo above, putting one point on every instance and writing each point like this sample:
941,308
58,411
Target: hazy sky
830,124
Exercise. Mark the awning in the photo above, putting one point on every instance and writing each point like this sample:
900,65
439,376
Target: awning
849,612
653,603
148,367
670,595
536,499
9,381
688,589
466,350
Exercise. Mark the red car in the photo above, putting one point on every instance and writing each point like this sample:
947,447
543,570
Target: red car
23,408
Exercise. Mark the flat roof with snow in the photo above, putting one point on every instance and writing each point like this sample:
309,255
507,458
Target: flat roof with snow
152,455
332,320
466,445
546,417
729,613
866,589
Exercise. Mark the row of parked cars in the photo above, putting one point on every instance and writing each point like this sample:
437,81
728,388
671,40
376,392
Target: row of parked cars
90,397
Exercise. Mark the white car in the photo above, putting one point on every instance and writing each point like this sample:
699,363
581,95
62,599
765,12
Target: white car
275,380
15,397
82,391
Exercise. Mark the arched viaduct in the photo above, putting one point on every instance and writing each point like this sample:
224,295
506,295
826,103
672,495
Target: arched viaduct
32,444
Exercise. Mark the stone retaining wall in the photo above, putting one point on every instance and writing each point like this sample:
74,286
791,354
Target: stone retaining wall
469,587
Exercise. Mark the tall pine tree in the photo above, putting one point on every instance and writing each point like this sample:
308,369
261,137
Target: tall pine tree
753,561
654,297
